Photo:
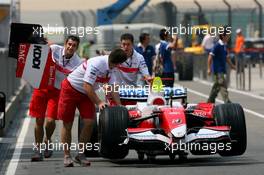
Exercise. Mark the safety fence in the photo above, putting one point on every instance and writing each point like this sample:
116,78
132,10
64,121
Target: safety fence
248,71
170,15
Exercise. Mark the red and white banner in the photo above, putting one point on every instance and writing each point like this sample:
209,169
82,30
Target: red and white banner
35,65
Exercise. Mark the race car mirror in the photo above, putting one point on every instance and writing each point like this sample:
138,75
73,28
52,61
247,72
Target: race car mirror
24,33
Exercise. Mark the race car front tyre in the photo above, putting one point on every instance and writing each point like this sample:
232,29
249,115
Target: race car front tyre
113,123
232,114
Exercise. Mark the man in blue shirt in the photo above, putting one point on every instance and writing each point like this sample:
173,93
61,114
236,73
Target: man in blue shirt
218,57
146,50
164,53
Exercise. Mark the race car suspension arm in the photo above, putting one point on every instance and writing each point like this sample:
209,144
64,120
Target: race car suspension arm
137,121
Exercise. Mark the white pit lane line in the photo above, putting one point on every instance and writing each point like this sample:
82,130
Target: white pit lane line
230,89
11,170
220,101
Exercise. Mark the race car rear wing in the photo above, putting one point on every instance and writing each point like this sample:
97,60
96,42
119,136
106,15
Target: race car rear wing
142,93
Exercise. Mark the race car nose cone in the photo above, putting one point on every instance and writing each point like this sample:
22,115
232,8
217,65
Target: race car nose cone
180,131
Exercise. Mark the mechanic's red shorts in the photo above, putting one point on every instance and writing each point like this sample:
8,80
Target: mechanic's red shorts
70,99
44,102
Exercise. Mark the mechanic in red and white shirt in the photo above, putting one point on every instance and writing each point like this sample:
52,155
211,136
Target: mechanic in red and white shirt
78,91
128,71
44,102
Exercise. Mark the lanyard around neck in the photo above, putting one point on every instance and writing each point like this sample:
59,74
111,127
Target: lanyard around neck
130,64
65,61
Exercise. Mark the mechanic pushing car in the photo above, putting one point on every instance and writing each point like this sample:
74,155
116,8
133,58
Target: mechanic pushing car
127,72
46,100
219,57
135,63
78,90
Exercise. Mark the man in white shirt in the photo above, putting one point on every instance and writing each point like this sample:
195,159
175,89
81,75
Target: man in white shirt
208,42
78,91
135,64
44,102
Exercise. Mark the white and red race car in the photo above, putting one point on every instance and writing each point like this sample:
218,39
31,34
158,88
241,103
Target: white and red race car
160,124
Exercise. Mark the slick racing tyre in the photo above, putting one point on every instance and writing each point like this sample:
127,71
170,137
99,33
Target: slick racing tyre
232,115
113,123
185,68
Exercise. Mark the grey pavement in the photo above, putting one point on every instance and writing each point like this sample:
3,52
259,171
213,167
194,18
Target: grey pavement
252,162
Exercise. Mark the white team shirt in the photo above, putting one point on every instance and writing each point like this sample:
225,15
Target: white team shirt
63,66
127,72
94,71
208,41
157,46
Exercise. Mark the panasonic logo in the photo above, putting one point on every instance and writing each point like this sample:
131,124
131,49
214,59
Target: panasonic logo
36,57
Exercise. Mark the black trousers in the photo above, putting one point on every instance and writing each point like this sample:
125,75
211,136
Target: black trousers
170,77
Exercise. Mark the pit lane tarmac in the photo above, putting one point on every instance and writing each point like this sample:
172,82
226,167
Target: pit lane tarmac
17,161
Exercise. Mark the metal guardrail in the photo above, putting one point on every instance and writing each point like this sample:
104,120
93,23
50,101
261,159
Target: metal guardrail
243,70
244,66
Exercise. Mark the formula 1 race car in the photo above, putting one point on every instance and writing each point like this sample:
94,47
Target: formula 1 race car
163,123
